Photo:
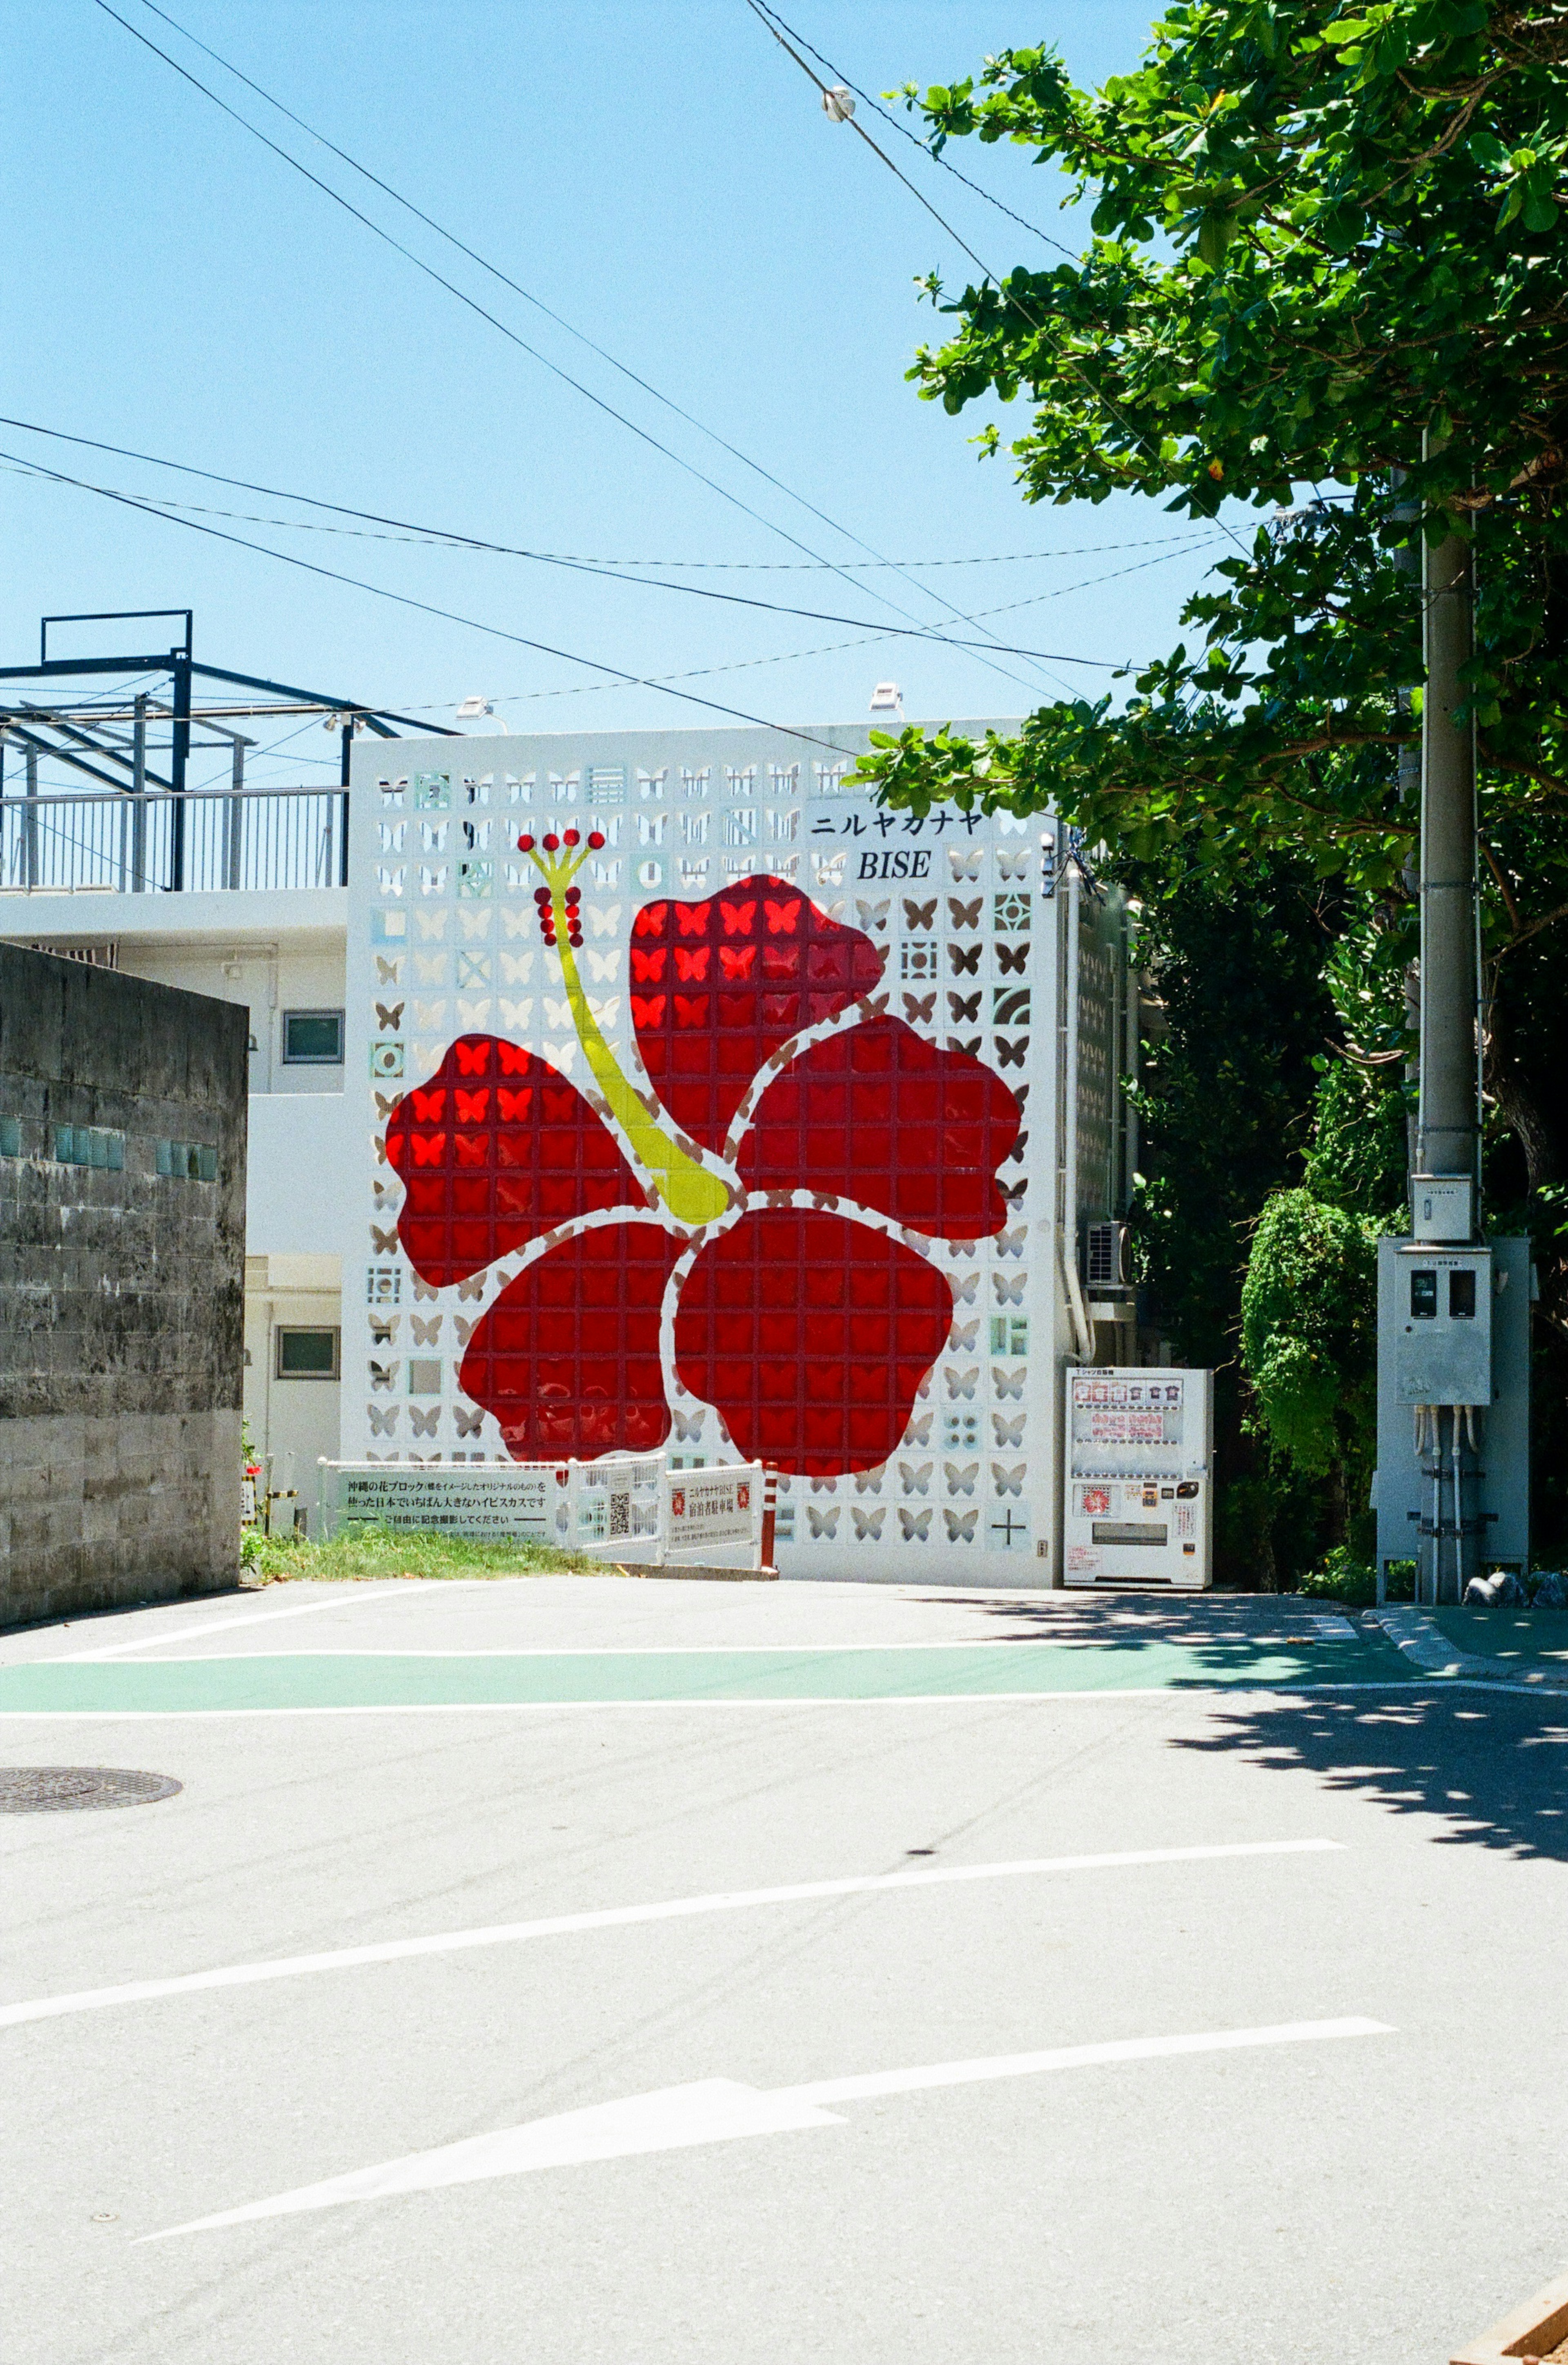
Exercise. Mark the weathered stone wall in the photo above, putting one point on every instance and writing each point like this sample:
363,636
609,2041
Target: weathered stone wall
122,1239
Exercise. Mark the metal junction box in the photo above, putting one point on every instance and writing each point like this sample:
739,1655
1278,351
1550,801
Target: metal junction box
1442,1207
1442,1333
1443,1358
1139,1488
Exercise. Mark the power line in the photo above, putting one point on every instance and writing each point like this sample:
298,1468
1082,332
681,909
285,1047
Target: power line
934,155
452,288
572,565
1006,293
447,615
787,657
434,537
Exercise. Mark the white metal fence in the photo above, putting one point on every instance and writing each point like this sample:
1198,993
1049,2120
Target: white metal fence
153,841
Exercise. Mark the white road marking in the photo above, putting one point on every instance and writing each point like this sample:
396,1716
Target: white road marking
452,1941
620,1650
1253,1695
352,1596
717,2110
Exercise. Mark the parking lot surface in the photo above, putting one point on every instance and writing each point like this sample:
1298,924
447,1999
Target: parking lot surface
637,1971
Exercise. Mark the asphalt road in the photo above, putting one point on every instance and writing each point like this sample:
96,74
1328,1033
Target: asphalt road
994,2113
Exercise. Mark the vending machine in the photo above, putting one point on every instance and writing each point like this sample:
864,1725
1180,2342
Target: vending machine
1139,1502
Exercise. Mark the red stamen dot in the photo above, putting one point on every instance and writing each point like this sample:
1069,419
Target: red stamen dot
525,845
551,843
542,896
571,837
596,839
574,897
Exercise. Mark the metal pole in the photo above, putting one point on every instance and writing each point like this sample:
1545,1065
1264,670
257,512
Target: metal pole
343,809
1408,563
139,794
31,823
236,814
179,750
1447,1121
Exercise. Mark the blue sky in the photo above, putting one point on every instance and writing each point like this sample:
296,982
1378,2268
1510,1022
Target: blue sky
664,177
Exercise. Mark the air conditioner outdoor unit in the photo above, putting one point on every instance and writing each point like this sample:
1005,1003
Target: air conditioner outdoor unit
1105,1256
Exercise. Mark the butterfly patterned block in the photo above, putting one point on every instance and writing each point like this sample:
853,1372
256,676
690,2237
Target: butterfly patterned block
952,933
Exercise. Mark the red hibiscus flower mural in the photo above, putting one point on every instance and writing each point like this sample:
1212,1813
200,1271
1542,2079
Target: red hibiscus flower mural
749,1166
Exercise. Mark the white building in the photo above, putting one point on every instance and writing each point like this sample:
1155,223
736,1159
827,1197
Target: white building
997,956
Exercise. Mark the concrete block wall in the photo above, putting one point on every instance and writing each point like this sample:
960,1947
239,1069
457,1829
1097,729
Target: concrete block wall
121,1290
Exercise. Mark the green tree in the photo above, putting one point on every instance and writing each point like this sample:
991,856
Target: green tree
1320,237
1243,1017
1308,1346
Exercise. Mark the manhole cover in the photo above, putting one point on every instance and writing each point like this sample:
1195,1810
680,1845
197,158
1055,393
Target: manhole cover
45,1789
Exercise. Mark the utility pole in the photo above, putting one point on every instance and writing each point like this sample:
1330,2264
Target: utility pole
1453,1315
1447,1122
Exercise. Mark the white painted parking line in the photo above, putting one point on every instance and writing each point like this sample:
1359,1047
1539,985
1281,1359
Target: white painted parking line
351,1598
1236,1693
618,1650
555,1925
717,2110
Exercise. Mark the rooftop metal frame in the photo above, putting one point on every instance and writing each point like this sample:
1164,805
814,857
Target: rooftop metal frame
85,738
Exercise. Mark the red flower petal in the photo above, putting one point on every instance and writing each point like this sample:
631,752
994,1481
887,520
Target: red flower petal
702,1049
567,1358
879,1115
496,1158
812,1335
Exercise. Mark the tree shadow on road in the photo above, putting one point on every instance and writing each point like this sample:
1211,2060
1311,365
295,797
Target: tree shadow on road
1485,1769
1272,1638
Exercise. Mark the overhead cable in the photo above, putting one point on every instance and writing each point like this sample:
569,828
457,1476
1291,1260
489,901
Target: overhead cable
426,608
438,534
1008,293
451,286
933,155
572,565
787,657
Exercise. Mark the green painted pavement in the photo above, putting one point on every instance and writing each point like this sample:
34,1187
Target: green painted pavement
302,1680
1532,1635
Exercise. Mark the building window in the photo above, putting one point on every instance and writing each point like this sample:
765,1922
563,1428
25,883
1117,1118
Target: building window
10,1138
307,1354
312,1038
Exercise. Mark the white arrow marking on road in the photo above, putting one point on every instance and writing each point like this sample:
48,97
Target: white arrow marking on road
616,1917
716,2110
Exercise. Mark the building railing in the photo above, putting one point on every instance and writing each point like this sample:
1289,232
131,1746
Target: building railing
155,841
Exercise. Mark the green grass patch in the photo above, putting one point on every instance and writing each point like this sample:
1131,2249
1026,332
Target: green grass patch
363,1548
